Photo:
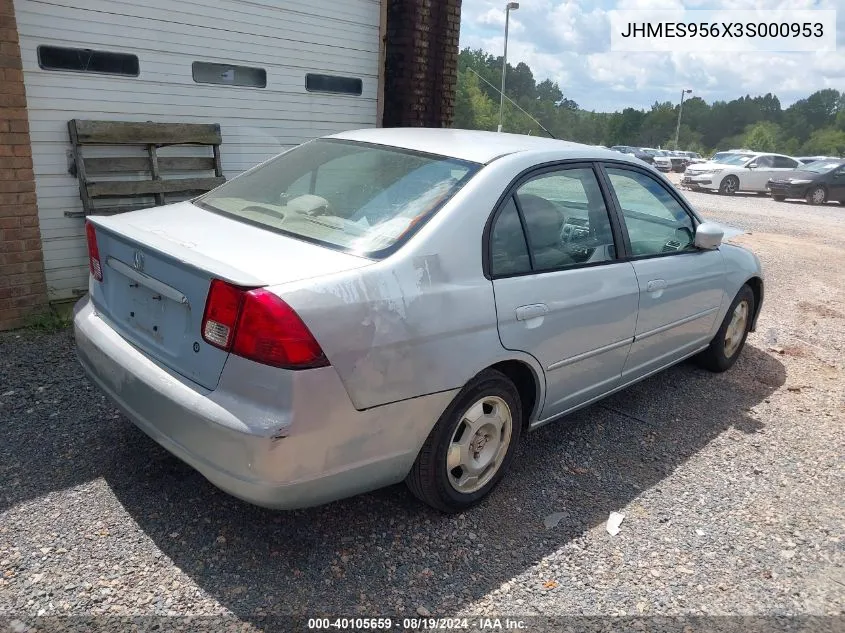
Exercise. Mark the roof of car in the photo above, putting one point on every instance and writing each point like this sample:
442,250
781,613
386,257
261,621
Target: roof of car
751,153
472,145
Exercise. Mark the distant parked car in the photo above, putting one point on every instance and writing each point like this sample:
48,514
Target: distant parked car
740,172
661,158
817,182
634,151
389,305
812,159
680,160
694,157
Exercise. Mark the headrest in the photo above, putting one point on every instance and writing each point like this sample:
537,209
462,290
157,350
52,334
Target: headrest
544,221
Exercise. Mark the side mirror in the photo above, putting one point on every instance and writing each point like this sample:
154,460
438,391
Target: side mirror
752,165
708,236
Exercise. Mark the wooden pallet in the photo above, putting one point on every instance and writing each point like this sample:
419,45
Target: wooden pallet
107,196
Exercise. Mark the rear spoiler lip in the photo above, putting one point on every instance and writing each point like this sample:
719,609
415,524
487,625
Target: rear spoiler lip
180,253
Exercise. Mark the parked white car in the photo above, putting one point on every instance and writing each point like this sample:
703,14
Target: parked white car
740,172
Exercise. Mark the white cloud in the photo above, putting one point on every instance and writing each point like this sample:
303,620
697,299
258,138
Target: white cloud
569,42
496,18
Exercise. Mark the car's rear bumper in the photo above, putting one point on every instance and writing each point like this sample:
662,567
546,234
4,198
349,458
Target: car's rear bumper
274,438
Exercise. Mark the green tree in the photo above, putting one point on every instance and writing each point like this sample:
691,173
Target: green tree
658,124
623,128
826,141
814,124
764,136
474,110
548,90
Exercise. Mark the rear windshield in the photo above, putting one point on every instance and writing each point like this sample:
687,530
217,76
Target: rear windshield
356,197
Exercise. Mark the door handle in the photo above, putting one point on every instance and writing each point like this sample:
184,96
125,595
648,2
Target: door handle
523,313
656,284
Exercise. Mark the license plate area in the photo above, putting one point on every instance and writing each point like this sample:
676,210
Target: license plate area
151,315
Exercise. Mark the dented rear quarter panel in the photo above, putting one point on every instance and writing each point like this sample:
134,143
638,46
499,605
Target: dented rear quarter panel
423,320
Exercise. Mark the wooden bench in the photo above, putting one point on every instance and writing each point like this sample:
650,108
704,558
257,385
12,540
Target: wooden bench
109,196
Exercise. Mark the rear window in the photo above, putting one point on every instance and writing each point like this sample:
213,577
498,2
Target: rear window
356,197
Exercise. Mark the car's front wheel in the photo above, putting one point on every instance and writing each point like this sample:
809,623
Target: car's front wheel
816,195
471,446
729,186
778,198
727,345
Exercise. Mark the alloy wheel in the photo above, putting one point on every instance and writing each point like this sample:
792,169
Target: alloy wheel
479,444
736,328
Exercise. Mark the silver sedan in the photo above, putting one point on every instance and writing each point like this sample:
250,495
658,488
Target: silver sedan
393,305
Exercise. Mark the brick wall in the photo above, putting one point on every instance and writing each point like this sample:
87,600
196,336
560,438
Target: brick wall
421,62
23,291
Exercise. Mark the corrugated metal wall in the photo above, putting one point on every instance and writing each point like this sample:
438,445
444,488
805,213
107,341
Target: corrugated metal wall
320,36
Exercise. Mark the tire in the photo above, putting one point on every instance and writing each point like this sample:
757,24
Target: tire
728,343
729,186
778,198
816,195
431,480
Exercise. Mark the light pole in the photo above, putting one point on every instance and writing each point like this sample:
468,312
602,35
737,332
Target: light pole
511,6
680,111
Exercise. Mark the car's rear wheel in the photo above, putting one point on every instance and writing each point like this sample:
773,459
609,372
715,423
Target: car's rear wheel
778,198
471,446
816,195
729,186
729,341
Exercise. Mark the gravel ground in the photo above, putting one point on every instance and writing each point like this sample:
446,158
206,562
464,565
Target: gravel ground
731,486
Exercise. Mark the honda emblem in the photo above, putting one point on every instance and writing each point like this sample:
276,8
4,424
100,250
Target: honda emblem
139,261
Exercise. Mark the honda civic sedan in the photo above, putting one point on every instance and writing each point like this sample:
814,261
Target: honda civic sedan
393,305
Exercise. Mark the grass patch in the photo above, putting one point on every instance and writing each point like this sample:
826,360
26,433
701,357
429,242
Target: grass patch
58,318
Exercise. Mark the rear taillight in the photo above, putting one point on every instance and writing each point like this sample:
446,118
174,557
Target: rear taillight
221,314
258,325
94,264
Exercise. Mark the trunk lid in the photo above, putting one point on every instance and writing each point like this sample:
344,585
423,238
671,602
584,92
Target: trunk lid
157,270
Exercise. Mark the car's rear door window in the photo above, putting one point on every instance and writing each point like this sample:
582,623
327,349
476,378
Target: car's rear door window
556,220
508,248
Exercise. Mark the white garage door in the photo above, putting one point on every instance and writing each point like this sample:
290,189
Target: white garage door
242,64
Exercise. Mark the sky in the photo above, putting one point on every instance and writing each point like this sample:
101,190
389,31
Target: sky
569,42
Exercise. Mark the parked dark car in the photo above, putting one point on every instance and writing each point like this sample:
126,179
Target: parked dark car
818,182
680,160
637,152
